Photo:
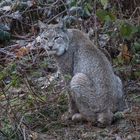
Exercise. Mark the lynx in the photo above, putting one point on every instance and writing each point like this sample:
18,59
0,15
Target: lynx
95,91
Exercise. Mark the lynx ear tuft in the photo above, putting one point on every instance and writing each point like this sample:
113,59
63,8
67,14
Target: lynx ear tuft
42,25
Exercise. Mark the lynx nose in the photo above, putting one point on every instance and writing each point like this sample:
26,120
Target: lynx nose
50,47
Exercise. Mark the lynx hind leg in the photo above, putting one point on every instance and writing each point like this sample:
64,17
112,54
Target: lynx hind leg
82,93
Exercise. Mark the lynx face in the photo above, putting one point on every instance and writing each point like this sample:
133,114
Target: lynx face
55,40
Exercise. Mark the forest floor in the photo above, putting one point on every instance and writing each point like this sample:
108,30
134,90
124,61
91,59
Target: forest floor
126,128
41,119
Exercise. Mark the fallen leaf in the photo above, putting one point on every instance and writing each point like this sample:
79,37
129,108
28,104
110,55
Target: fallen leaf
21,52
125,55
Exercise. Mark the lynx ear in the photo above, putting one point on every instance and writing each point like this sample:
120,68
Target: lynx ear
42,25
62,25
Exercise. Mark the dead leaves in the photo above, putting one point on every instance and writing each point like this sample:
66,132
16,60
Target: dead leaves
125,55
22,51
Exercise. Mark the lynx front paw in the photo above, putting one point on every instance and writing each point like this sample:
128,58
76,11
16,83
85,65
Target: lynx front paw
77,117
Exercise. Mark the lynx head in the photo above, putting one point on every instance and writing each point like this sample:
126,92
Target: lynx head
54,39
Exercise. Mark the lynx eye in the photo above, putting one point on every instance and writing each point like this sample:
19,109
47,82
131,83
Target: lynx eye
45,38
57,37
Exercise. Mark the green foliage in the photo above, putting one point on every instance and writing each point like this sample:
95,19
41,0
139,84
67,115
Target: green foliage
137,46
67,77
11,74
137,74
7,129
136,59
87,9
105,16
127,31
4,35
73,3
85,6
104,3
